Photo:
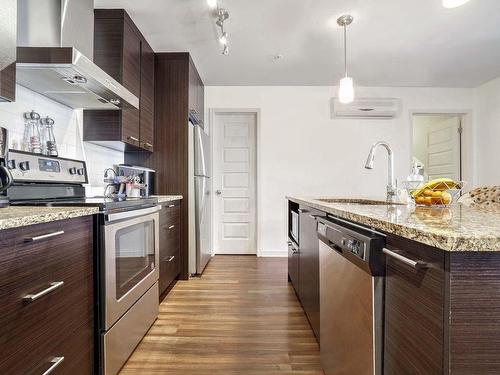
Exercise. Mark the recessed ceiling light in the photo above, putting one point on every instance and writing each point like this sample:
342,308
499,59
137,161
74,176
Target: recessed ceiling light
454,3
212,3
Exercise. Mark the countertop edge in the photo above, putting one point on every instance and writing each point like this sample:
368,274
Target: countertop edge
168,198
442,242
58,213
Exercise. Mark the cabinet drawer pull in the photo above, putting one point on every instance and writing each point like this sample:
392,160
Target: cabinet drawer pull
133,138
44,236
409,262
147,144
171,227
56,361
33,297
171,205
169,259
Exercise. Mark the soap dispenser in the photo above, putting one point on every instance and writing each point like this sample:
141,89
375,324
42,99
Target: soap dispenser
415,176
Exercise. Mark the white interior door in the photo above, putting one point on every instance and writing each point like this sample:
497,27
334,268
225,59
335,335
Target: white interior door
443,149
234,183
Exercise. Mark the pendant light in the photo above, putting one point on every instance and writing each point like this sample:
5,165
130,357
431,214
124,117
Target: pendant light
454,3
346,85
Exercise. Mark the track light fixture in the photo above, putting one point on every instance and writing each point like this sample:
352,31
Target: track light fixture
222,16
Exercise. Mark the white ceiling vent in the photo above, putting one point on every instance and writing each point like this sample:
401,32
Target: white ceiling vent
381,108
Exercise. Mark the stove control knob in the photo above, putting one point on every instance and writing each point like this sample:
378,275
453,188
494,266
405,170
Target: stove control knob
72,170
11,164
24,165
81,171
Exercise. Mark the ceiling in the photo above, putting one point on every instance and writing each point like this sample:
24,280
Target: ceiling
390,43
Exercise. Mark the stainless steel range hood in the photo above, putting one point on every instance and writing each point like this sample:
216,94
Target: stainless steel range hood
55,46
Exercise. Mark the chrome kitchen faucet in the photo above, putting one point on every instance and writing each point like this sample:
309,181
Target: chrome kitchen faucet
392,189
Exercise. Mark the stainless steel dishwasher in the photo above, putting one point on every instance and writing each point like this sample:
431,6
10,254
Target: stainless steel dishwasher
351,298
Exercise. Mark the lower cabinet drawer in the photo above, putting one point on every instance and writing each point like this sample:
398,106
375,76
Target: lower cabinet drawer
169,269
46,294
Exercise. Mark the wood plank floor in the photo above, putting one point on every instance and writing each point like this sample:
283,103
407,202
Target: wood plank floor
240,318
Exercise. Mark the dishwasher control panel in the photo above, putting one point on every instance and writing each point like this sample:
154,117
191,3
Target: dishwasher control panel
355,246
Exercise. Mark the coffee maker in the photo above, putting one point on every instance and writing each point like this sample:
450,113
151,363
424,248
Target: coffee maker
5,176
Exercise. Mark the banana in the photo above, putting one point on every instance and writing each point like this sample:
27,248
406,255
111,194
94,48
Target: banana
439,184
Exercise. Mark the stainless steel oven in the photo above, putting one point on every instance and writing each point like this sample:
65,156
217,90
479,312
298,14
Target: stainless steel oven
130,281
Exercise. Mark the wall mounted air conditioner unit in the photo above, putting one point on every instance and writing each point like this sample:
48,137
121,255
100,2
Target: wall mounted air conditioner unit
377,108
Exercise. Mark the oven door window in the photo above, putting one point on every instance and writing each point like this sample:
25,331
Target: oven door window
135,255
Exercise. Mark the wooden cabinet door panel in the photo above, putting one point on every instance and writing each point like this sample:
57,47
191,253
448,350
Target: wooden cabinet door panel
32,332
131,66
309,267
147,97
293,265
170,244
131,79
169,270
414,311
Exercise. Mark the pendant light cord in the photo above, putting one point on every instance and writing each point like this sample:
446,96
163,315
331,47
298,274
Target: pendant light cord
345,49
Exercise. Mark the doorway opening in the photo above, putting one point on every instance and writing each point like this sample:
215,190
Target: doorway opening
234,136
437,145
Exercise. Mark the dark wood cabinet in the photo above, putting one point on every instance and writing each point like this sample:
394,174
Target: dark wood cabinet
8,18
122,51
146,134
303,261
414,310
170,159
38,332
170,220
293,265
309,266
196,96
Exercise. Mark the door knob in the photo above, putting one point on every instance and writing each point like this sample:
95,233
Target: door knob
218,192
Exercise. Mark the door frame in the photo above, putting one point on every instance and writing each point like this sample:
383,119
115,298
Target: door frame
256,111
466,139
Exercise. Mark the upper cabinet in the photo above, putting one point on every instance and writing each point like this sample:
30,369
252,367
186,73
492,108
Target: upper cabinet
196,96
121,50
8,17
146,116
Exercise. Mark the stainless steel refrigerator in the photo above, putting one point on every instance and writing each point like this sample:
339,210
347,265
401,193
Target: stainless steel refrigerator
202,248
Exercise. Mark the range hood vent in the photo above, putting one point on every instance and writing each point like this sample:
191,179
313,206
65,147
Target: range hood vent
54,56
65,75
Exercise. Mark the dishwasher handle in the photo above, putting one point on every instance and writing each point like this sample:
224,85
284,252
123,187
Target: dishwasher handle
416,264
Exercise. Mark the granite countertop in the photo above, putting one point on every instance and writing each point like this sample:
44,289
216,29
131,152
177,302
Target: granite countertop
457,228
20,216
167,198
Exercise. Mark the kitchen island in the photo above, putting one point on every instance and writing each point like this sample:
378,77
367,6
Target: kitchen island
442,307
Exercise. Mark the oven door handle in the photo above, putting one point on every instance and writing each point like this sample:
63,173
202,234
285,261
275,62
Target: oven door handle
132,214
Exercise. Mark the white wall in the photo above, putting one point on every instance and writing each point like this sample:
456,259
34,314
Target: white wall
67,129
303,152
487,121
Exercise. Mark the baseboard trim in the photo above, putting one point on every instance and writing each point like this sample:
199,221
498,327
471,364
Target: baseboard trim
273,253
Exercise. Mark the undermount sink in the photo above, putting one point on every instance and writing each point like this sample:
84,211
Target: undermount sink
369,202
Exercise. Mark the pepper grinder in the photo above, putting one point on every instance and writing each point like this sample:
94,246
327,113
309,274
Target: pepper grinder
50,144
32,132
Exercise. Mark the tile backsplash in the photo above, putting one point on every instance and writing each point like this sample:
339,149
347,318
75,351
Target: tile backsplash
68,132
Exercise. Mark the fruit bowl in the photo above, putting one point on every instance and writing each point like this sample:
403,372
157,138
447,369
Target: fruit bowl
436,193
